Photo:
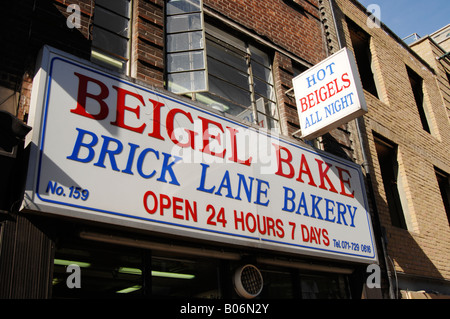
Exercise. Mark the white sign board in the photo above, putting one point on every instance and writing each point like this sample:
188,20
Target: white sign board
109,150
329,94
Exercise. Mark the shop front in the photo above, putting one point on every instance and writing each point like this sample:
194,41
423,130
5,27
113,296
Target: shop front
149,194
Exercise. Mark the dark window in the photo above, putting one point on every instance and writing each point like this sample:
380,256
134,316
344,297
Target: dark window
387,158
417,88
111,33
444,186
361,47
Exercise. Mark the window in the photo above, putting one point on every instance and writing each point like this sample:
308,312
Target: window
417,88
186,60
111,34
235,78
361,47
387,158
444,186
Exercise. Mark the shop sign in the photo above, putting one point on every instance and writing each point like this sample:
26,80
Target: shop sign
110,150
329,94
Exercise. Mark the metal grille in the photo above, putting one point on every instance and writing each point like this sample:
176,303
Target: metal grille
251,280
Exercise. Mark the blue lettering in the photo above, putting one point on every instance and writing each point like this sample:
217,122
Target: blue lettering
248,189
141,161
329,210
89,146
341,212
133,148
202,180
315,207
288,198
111,153
225,183
168,168
302,204
260,191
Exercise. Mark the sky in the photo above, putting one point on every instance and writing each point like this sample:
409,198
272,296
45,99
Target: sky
405,17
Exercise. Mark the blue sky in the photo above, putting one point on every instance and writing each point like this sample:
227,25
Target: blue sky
405,17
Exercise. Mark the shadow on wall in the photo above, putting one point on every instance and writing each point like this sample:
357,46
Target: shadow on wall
32,24
402,248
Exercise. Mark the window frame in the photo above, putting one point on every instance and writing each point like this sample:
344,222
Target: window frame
259,104
101,55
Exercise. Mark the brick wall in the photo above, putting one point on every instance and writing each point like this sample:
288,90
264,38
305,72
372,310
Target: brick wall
424,248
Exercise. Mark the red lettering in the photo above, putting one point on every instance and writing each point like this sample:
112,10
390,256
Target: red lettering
317,235
281,160
234,156
207,137
280,230
323,176
305,233
326,240
304,168
121,108
80,109
165,203
155,200
331,91
177,207
170,128
344,181
304,106
156,133
346,80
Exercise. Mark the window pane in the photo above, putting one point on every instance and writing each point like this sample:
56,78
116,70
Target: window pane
111,21
228,73
182,6
185,22
264,89
268,122
185,61
121,7
229,91
109,42
262,72
185,41
187,82
267,107
227,56
260,56
222,105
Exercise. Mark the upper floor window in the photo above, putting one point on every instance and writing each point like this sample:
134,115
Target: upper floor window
387,159
417,88
111,34
361,48
443,180
235,78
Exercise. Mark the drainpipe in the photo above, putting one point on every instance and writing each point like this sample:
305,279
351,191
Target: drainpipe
365,164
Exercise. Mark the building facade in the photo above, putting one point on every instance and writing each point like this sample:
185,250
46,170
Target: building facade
179,70
406,143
